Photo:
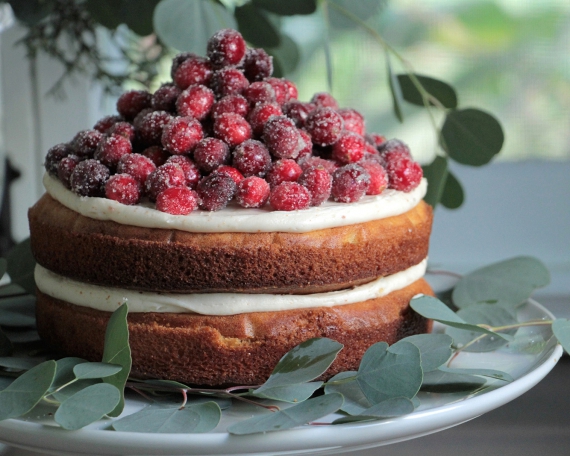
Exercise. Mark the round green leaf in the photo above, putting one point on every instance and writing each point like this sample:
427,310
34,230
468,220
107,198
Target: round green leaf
16,319
394,406
435,349
95,370
287,8
188,25
506,283
255,27
436,174
297,392
445,382
286,57
20,364
63,375
471,136
440,90
561,330
21,265
452,196
87,406
492,373
355,401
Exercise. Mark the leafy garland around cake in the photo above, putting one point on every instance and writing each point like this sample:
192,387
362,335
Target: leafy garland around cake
479,314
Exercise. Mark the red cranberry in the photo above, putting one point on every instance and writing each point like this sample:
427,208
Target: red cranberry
137,121
251,158
370,150
378,176
257,65
123,129
324,125
252,191
232,172
232,128
210,153
123,188
179,59
319,182
66,167
377,139
298,111
324,100
164,99
229,81
89,177
194,70
260,114
111,149
313,162
393,145
163,177
189,168
260,92
216,191
196,101
349,148
106,122
353,120
181,135
404,174
156,154
132,102
289,196
151,125
177,201
292,92
307,148
281,89
284,170
85,142
226,47
136,165
54,156
349,183
231,103
282,137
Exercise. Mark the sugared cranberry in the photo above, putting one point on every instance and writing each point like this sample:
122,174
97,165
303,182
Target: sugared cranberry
252,191
292,92
281,89
137,121
210,153
324,125
189,168
163,177
251,158
89,178
370,150
298,111
106,122
54,156
193,70
164,99
196,101
226,47
123,129
132,102
350,183
353,120
259,92
319,182
324,100
378,176
85,142
232,128
349,148
377,139
289,196
216,191
136,165
177,201
393,145
111,149
123,188
282,137
284,170
313,162
66,167
231,103
181,135
257,65
229,81
306,149
232,172
156,154
150,128
260,114
181,58
404,174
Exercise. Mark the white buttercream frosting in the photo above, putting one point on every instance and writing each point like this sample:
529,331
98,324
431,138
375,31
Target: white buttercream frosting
234,219
108,299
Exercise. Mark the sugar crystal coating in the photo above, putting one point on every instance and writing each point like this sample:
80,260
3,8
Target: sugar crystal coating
189,168
350,183
89,178
258,65
284,170
226,47
111,149
216,191
251,158
164,99
210,154
196,101
194,70
123,188
282,137
132,102
232,128
252,191
163,177
289,196
54,156
324,125
85,142
349,148
236,104
181,135
177,201
318,181
137,165
65,168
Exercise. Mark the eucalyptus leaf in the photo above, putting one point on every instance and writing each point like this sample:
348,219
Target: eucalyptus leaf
492,373
16,319
296,415
64,371
87,406
394,90
21,264
471,136
453,194
95,370
436,174
444,382
166,383
434,309
561,330
10,290
158,419
435,349
506,283
27,390
188,25
354,419
297,392
394,406
287,8
24,337
117,351
346,14
440,90
18,363
355,401
21,303
387,372
255,27
286,56
6,347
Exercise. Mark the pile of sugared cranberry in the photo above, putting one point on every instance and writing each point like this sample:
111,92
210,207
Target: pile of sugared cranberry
225,129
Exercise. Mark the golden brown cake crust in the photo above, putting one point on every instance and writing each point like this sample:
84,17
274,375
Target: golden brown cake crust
236,349
107,253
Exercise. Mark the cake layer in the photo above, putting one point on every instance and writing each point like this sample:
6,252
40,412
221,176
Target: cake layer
235,349
111,254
